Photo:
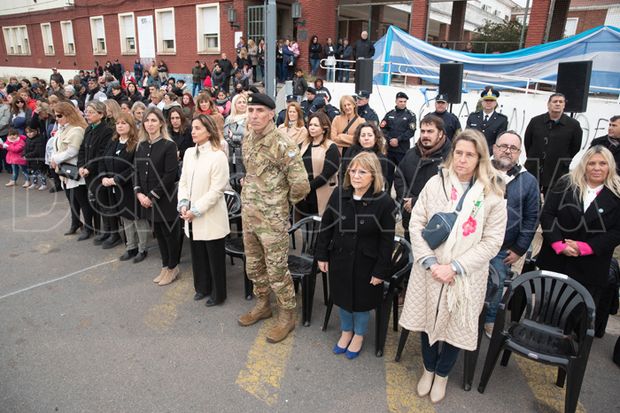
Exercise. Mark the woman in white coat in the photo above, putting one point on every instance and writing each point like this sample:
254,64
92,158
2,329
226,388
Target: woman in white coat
202,206
448,284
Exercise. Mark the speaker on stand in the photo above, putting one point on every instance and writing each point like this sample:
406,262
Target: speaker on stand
451,82
363,75
574,83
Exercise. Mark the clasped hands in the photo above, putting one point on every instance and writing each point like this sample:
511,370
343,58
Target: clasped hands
144,201
324,267
443,273
572,249
186,214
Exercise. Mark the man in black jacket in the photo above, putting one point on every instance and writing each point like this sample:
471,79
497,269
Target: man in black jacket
450,121
398,127
227,69
363,47
420,164
612,140
551,141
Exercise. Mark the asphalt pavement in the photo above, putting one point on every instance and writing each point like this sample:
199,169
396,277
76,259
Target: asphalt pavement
81,331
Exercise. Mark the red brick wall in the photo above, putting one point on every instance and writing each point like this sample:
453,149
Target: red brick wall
417,26
321,22
537,22
588,19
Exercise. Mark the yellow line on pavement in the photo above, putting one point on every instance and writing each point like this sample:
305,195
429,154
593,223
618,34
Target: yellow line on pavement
161,316
265,366
541,379
401,378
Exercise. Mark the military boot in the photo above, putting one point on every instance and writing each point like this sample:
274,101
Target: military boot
284,325
261,310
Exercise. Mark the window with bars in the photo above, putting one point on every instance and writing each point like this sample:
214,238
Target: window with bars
208,28
48,41
16,40
127,33
68,42
165,30
97,31
256,23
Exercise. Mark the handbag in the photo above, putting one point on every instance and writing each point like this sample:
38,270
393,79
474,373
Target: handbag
69,171
438,228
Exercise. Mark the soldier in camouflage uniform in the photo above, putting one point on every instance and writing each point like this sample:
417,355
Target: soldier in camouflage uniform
275,176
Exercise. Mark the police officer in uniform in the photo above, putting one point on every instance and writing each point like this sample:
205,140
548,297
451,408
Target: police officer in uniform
363,110
450,121
398,127
282,115
307,104
275,178
488,121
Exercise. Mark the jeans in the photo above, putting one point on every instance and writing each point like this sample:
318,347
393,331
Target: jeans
440,363
331,74
137,233
16,168
314,64
196,88
355,321
502,269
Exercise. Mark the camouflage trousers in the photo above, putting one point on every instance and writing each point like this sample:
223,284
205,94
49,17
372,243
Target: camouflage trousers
266,263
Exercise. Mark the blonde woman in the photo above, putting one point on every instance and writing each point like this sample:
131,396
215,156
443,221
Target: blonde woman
234,130
345,124
321,160
447,285
357,252
581,226
293,125
156,172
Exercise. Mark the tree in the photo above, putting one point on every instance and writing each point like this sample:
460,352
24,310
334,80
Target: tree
502,37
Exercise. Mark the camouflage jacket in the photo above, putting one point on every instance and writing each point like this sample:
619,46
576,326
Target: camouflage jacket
275,175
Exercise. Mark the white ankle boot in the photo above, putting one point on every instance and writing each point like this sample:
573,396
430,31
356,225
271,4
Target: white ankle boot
425,383
438,392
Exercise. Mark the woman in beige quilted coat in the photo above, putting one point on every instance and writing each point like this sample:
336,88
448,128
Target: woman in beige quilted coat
447,285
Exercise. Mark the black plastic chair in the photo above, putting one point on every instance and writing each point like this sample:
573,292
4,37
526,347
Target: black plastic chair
233,245
402,261
470,357
546,317
303,267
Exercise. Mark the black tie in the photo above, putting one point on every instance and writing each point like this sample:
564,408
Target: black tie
486,118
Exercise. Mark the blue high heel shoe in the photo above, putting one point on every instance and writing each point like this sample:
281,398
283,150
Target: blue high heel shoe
338,350
353,354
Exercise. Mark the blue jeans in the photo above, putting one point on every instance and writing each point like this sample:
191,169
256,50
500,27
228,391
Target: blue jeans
440,363
196,88
502,269
314,64
355,321
16,169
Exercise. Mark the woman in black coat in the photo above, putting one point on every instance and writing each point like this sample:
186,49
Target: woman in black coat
368,138
355,246
96,138
581,223
155,186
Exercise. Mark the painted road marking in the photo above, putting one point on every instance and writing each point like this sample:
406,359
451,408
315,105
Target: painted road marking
265,366
41,284
401,379
541,379
161,316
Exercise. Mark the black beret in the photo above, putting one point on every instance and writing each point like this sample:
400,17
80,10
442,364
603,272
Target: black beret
261,99
402,95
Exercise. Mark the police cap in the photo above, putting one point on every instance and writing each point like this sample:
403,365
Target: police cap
363,94
291,98
489,94
402,95
442,97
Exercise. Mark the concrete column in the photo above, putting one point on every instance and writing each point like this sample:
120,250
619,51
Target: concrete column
457,24
443,32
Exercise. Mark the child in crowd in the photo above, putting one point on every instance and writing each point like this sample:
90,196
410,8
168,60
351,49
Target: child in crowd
35,156
223,103
15,145
49,150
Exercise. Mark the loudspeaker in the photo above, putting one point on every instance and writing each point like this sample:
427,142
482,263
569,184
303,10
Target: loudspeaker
451,81
574,83
363,75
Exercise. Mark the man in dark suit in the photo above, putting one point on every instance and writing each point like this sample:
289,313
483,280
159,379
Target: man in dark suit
612,140
488,121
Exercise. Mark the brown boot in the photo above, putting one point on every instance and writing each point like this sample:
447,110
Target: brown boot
261,310
170,276
163,272
284,325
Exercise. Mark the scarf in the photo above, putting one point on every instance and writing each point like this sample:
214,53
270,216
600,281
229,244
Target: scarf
465,235
426,153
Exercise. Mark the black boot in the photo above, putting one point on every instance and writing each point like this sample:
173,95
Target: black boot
86,234
99,239
112,241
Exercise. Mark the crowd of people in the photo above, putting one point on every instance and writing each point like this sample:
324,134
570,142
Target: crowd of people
157,160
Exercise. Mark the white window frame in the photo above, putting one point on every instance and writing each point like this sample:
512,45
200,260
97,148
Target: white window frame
201,32
125,49
48,39
16,40
66,30
571,26
97,49
159,32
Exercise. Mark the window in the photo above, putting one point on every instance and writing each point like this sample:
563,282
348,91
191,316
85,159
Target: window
571,26
16,40
68,43
208,28
127,30
97,32
48,41
164,20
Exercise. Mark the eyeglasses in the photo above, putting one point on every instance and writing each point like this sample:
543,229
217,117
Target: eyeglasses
59,116
510,148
